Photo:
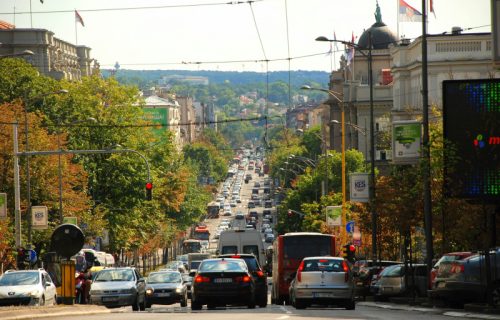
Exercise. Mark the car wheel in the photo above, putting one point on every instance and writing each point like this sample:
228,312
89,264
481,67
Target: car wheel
495,295
211,306
350,305
148,305
195,305
135,304
263,301
299,304
142,305
184,302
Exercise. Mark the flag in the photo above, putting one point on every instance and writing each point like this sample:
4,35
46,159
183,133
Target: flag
408,14
431,7
78,18
350,50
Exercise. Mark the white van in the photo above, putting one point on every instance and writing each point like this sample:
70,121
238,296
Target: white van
242,241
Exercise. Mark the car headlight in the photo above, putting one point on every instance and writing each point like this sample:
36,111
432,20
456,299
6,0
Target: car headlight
35,293
178,290
150,291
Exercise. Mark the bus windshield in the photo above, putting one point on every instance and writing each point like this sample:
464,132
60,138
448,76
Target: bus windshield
306,246
190,246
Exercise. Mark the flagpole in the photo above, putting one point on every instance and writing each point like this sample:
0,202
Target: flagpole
397,15
31,16
76,32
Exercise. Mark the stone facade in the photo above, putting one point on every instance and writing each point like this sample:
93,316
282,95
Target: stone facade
52,57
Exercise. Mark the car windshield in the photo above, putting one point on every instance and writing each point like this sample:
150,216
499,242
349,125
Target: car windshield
222,266
19,279
114,275
164,277
328,265
392,271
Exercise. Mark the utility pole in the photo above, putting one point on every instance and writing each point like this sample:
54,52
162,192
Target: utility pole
17,191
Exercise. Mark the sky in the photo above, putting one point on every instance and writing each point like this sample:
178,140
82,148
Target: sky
178,34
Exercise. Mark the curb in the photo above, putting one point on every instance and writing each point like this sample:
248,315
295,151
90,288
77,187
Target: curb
49,312
444,312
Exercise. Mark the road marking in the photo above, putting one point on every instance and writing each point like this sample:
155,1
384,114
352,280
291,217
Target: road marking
285,310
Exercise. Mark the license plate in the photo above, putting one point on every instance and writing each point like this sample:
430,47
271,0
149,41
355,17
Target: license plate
322,295
223,280
163,294
359,284
109,299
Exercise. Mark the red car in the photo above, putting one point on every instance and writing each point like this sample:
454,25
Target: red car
448,257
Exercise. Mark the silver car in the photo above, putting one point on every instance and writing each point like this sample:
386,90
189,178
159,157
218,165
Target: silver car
27,287
117,287
323,280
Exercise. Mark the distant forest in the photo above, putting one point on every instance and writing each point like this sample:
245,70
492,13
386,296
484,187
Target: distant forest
145,78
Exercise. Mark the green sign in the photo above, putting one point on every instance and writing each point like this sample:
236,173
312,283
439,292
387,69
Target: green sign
406,141
71,220
334,216
157,116
3,205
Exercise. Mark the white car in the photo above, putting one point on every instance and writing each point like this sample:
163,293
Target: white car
27,287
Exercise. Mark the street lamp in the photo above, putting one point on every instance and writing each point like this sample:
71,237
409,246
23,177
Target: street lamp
60,165
341,104
26,148
372,131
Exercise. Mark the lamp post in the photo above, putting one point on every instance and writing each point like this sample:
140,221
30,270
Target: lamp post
26,148
341,103
61,217
372,133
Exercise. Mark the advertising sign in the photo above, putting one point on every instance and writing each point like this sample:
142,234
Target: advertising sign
406,141
471,128
39,217
3,205
333,216
360,187
157,116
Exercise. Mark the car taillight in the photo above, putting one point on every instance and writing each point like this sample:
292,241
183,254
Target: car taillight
346,270
244,279
299,271
200,279
260,274
457,268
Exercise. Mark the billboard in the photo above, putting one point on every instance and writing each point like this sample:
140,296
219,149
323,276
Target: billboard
471,120
333,216
359,187
406,141
157,116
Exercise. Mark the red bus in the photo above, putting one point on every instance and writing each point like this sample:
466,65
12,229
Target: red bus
288,251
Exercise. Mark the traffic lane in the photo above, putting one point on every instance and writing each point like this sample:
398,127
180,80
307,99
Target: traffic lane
272,312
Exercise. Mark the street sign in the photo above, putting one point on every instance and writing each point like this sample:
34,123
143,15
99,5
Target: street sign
31,256
349,227
3,205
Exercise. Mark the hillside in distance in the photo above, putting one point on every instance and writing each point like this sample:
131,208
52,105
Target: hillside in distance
144,78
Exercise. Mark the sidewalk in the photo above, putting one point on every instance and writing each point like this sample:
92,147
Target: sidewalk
433,310
18,313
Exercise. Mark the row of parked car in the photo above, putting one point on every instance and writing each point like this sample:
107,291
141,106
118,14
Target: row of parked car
456,278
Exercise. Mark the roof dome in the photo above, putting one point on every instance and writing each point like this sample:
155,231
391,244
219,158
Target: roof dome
382,36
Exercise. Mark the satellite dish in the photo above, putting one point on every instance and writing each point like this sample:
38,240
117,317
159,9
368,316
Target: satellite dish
67,239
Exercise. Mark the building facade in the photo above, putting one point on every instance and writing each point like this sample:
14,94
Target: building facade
52,57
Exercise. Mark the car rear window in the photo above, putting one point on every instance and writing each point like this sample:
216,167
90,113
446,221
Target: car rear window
392,271
229,250
253,249
330,265
222,265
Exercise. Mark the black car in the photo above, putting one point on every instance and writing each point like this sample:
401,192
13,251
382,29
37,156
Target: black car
166,287
221,282
258,275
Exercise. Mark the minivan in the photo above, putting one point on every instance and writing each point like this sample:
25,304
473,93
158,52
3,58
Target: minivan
242,241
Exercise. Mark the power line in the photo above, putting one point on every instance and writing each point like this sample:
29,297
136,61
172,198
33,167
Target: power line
257,29
137,8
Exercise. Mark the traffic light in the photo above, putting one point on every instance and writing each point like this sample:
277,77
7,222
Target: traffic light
349,252
149,191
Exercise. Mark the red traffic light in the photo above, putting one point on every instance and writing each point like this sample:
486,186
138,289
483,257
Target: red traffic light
149,185
352,248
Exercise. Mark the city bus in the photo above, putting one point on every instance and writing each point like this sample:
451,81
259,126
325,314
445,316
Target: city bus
288,251
191,246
